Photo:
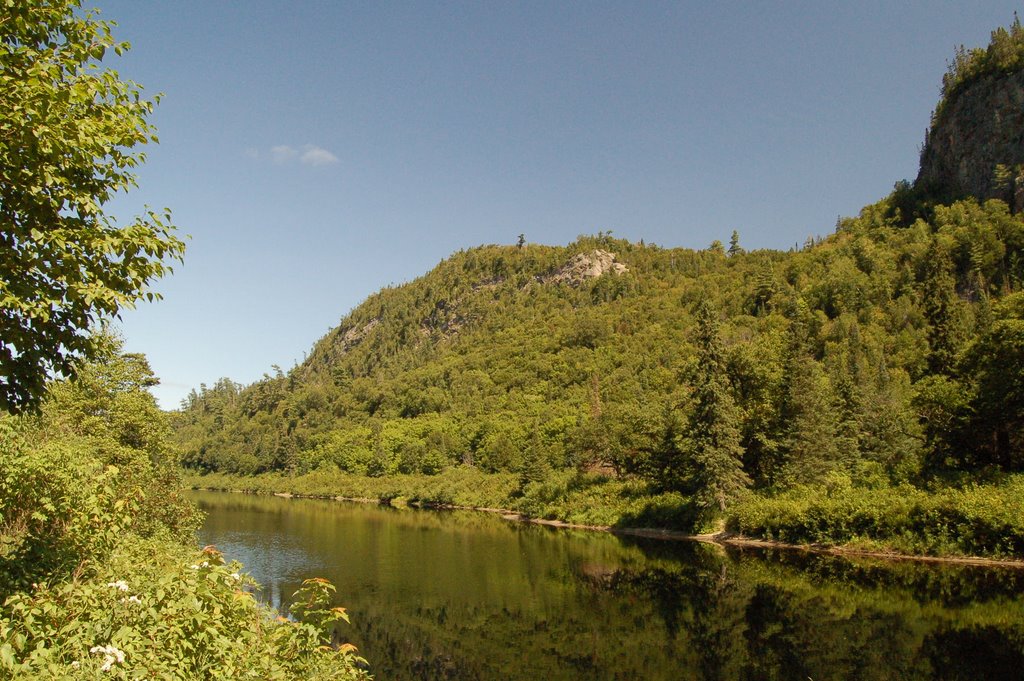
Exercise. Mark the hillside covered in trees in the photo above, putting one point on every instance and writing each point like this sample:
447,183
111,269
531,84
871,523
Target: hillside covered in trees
886,356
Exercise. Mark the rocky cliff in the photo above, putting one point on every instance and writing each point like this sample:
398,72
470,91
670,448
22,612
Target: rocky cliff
977,131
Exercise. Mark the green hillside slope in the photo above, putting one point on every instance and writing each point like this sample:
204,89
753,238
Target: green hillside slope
841,358
889,353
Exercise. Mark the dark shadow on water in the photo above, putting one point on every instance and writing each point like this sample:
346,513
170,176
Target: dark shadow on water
684,516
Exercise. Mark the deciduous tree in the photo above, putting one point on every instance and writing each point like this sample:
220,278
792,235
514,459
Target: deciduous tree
70,133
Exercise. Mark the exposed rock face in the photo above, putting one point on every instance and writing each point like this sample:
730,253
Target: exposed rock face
980,128
586,266
353,336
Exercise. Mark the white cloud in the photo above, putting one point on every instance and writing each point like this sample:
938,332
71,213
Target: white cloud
316,156
309,154
282,153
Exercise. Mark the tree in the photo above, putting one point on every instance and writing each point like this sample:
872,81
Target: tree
714,436
941,309
808,412
69,134
734,244
995,362
765,288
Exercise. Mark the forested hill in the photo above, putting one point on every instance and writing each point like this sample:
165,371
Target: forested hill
892,350
869,353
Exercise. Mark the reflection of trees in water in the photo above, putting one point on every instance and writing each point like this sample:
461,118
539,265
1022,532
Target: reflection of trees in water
719,624
949,584
472,597
830,618
968,654
793,637
715,617
589,633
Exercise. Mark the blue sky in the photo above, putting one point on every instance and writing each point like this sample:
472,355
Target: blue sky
317,151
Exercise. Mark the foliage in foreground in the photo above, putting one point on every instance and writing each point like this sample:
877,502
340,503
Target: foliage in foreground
71,137
156,610
96,577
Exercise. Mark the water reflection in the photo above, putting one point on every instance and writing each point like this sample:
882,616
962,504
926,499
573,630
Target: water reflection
450,595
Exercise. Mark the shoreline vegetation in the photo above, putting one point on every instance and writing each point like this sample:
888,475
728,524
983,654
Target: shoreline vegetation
99,571
617,501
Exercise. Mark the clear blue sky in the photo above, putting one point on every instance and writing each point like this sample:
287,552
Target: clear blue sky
317,151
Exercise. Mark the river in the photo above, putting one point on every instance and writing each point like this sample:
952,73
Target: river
467,595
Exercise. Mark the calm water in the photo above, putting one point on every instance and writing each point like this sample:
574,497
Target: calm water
462,595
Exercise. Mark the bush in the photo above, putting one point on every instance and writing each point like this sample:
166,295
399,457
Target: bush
95,577
975,520
156,610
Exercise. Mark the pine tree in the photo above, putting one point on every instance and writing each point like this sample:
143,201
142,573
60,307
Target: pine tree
734,244
942,309
809,413
713,442
765,288
536,466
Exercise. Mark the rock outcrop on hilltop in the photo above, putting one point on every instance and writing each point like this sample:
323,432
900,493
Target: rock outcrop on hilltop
976,144
586,266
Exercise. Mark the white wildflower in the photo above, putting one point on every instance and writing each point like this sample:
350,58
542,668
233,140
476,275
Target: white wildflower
120,585
193,567
235,576
131,599
111,656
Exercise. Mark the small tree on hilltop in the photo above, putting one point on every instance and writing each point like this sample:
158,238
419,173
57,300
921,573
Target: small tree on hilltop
734,244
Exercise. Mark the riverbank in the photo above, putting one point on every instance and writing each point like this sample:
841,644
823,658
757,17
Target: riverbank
980,524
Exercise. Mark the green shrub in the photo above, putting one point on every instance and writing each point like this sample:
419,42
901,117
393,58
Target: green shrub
156,610
975,520
96,580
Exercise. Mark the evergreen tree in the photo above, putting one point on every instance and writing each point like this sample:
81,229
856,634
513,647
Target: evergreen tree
734,244
765,289
713,441
665,463
996,363
941,308
809,413
536,466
